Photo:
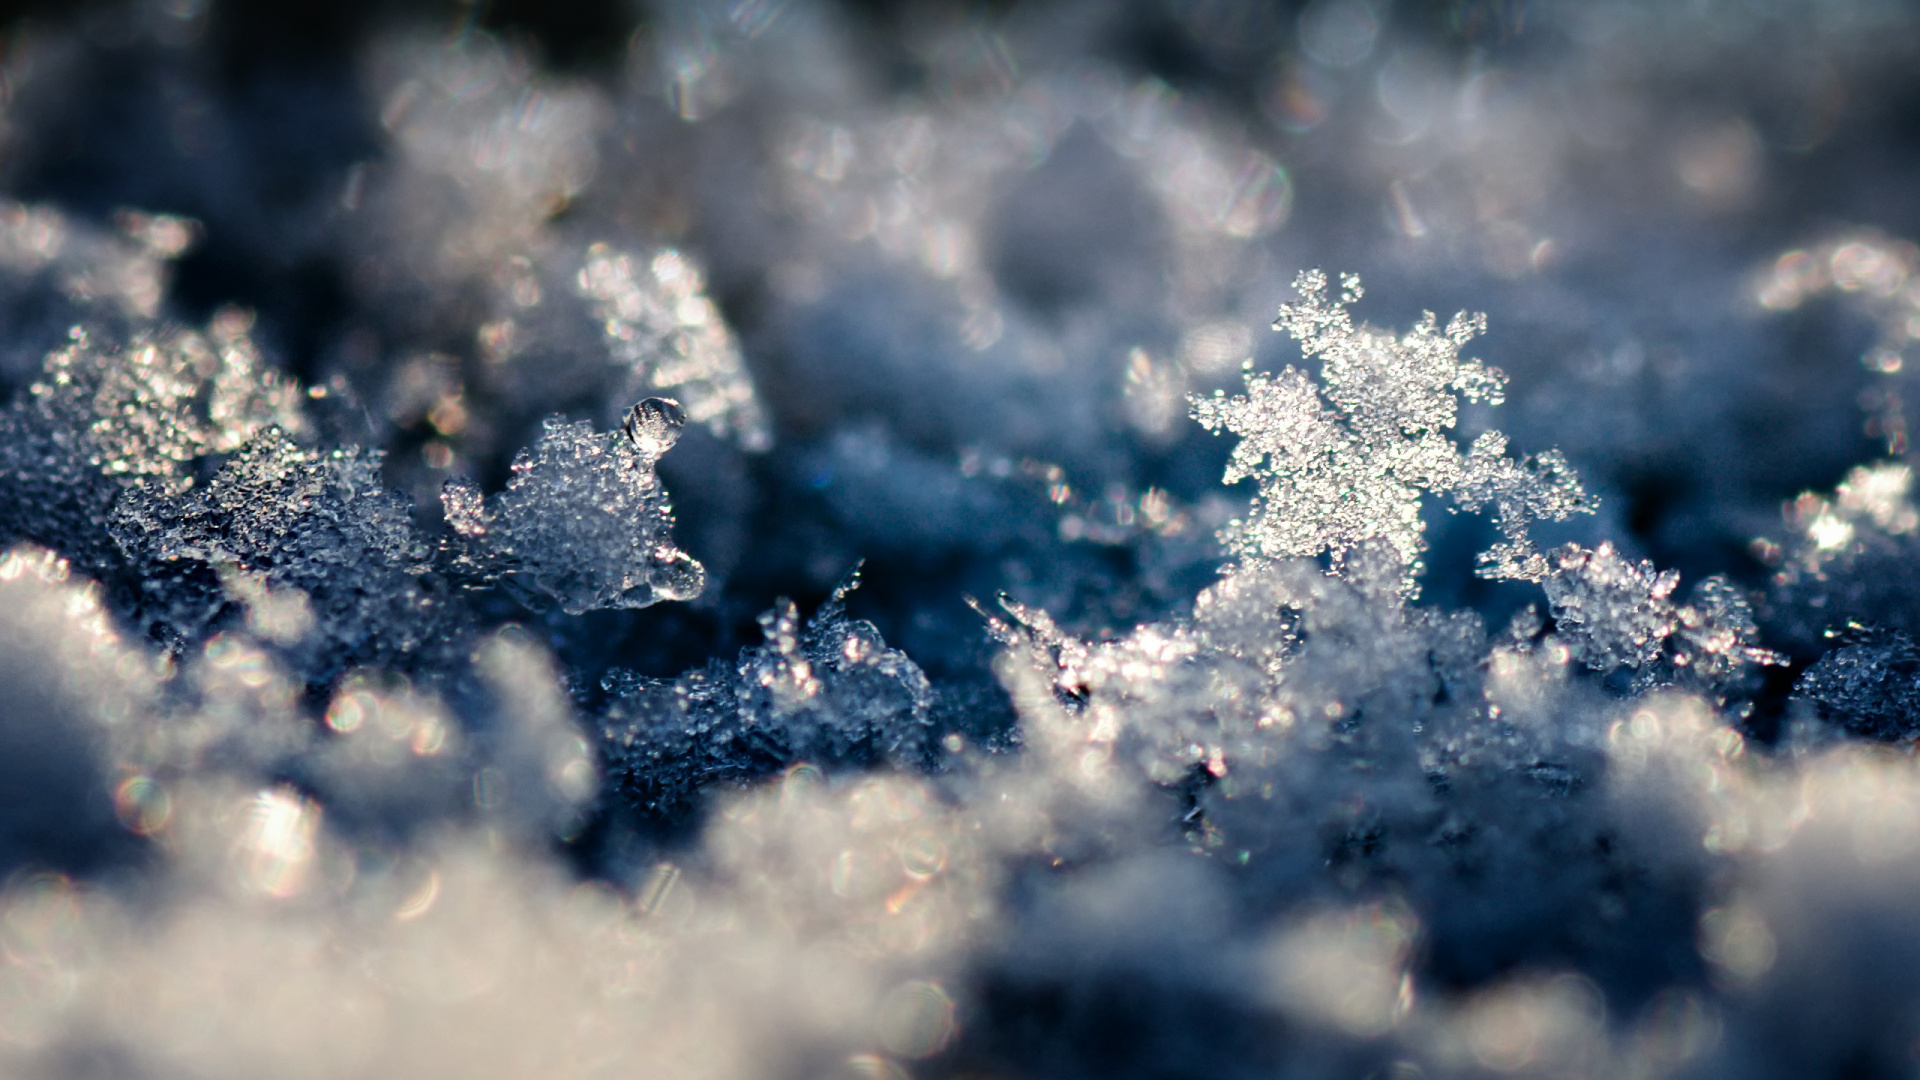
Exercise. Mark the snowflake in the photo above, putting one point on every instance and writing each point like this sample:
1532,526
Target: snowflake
1350,461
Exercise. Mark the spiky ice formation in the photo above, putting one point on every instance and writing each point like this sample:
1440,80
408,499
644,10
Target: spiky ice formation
584,521
1349,461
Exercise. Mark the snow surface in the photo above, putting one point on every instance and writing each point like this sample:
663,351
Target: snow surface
688,540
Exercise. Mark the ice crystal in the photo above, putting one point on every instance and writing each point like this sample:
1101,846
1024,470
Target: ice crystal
50,491
320,780
1351,463
317,522
1868,686
612,326
661,327
1276,654
830,692
1617,613
584,521
106,414
155,404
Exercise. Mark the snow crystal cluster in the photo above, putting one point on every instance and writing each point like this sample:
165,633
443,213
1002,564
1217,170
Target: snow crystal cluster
1336,479
584,520
688,540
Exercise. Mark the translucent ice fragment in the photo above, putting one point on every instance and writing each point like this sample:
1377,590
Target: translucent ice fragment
584,520
465,507
654,425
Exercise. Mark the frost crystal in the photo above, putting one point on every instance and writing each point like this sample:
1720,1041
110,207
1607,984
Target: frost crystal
832,692
289,518
1352,467
102,416
1869,686
1617,613
584,520
154,405
293,784
604,326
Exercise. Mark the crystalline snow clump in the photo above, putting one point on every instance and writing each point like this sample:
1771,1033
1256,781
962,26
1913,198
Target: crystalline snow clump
605,327
318,522
103,415
661,327
830,693
163,399
1851,558
1354,465
1279,650
1617,613
1869,686
584,520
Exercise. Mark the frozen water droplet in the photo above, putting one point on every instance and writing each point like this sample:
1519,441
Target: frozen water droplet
679,578
654,425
